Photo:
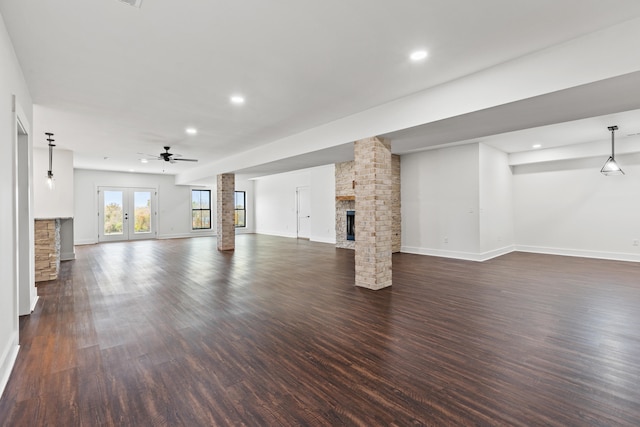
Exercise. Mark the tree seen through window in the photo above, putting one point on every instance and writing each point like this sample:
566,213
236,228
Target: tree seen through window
200,209
240,214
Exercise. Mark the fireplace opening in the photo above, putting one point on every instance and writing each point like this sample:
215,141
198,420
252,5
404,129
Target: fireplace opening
351,228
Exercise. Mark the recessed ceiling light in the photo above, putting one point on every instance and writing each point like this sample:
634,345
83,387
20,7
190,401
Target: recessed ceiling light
132,170
418,55
237,99
537,145
191,131
144,161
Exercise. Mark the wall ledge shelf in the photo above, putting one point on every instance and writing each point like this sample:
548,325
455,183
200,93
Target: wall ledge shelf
345,198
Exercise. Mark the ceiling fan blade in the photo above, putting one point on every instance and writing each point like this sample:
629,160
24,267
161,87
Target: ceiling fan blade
185,160
155,156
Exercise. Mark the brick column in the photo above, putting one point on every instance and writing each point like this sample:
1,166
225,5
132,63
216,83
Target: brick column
373,213
226,229
396,212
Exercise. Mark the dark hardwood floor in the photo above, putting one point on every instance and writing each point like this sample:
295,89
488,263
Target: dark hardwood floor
173,332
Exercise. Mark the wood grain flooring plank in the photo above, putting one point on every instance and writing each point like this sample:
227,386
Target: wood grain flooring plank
174,332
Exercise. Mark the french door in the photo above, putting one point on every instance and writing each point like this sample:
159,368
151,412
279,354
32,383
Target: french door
126,213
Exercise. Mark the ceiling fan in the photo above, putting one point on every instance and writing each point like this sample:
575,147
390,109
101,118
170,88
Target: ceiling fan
170,157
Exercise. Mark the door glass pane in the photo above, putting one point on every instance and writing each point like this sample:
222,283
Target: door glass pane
112,212
142,211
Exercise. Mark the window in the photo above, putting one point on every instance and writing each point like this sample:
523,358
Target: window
240,214
200,209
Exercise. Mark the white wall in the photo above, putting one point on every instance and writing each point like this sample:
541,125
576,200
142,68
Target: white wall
470,196
496,202
323,205
12,83
56,202
570,208
275,203
174,203
440,202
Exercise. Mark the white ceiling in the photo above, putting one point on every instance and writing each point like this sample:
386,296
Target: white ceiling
110,80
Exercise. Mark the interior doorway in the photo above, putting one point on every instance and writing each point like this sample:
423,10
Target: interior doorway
304,212
126,213
27,291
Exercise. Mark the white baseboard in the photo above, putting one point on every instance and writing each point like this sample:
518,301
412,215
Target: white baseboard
323,240
7,360
277,233
67,256
85,242
34,302
468,256
185,235
295,236
244,231
616,256
485,256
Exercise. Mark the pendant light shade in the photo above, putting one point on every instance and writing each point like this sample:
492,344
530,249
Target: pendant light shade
611,166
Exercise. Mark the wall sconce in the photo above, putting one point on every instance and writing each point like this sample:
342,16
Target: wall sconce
611,167
50,181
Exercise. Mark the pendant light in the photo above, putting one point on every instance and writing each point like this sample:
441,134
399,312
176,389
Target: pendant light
611,167
50,182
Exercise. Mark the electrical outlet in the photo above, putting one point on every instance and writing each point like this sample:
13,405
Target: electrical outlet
636,242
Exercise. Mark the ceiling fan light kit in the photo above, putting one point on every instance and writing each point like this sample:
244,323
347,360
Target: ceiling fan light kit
172,158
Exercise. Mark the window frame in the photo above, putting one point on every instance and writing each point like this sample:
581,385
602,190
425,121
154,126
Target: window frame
201,210
243,210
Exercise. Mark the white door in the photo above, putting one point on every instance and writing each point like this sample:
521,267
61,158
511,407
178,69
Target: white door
126,213
304,212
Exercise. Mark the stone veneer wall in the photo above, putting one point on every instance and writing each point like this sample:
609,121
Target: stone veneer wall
345,177
342,206
47,249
